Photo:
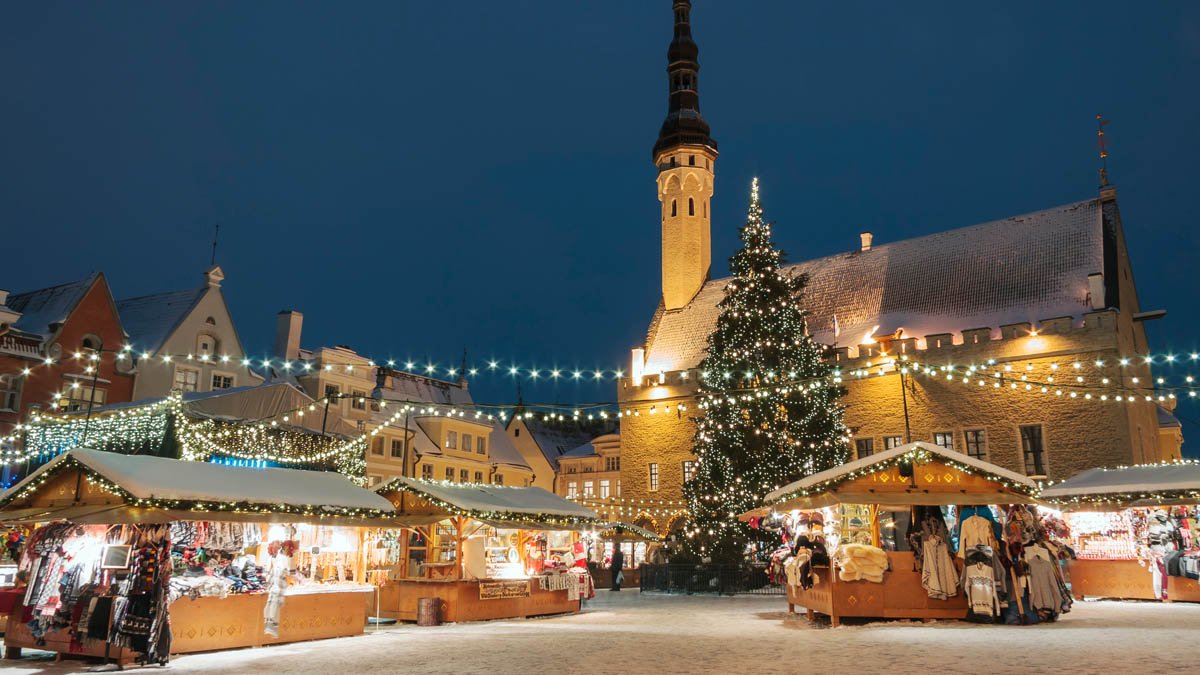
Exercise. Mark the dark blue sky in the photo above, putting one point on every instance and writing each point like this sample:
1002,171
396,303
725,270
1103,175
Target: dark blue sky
417,177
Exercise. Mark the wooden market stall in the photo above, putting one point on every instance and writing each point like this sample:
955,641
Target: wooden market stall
916,474
1125,522
231,541
639,545
484,551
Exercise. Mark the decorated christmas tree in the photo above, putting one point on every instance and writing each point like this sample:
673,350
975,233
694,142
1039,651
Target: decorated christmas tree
770,402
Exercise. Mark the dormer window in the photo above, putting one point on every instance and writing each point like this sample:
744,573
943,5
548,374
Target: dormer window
206,345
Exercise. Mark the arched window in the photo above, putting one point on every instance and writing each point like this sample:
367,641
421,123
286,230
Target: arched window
674,209
90,343
691,206
210,321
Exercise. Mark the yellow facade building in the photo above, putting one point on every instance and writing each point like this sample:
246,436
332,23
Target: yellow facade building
423,427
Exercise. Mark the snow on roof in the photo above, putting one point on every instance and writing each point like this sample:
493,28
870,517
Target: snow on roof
502,451
488,500
43,308
150,319
1166,419
557,438
585,450
1151,478
839,474
146,477
1024,268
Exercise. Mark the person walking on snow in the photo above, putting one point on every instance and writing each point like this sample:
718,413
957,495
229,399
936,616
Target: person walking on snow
618,563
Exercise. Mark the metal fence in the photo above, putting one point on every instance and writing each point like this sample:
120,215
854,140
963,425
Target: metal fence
717,579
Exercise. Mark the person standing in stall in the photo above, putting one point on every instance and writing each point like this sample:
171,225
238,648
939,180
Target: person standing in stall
618,563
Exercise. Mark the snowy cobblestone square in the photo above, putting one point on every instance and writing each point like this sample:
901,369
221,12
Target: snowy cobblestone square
634,633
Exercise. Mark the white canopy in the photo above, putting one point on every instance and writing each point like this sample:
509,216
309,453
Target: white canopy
830,479
1142,485
158,478
486,501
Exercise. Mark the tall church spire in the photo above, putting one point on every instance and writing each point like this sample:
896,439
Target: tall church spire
685,155
684,124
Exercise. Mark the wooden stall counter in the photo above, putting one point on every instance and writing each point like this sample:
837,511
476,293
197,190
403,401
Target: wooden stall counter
1125,579
900,596
209,624
474,600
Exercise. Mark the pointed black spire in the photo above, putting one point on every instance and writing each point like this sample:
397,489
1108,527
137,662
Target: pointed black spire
684,125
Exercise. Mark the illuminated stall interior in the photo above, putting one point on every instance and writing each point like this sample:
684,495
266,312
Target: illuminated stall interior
1134,531
230,543
854,504
461,540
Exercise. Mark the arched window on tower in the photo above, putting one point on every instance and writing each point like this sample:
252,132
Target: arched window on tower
673,208
691,206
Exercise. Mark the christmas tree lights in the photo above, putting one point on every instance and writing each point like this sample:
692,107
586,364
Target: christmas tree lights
748,442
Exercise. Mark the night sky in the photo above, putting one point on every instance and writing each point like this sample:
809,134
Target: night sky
420,177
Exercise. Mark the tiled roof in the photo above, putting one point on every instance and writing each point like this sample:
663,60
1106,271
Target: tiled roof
45,307
1166,419
557,438
1024,268
150,319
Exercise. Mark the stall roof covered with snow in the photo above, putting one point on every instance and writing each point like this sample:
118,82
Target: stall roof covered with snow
913,474
145,488
1143,485
494,504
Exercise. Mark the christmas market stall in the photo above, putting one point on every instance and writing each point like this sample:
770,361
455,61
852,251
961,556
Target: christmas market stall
876,538
137,557
639,546
483,552
1133,531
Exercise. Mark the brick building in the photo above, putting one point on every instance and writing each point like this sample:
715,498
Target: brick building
50,350
1039,314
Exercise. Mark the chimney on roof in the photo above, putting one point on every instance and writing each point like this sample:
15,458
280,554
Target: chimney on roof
3,297
287,334
866,238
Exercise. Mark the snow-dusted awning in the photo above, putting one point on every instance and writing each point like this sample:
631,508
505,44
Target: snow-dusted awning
493,503
156,484
1143,485
937,479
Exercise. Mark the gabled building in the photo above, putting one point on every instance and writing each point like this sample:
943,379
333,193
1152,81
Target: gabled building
58,348
541,443
185,340
440,437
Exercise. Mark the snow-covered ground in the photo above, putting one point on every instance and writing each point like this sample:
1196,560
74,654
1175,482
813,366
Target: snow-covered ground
626,632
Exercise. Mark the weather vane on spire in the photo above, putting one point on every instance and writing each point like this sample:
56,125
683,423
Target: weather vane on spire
1102,143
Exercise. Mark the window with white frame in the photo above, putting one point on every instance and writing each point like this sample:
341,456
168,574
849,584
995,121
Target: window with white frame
222,381
890,442
572,489
10,392
464,476
589,488
944,439
77,397
481,445
427,471
374,479
186,379
976,443
689,469
605,488
359,402
397,448
467,442
377,446
478,476
864,447
451,439
653,476
612,463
